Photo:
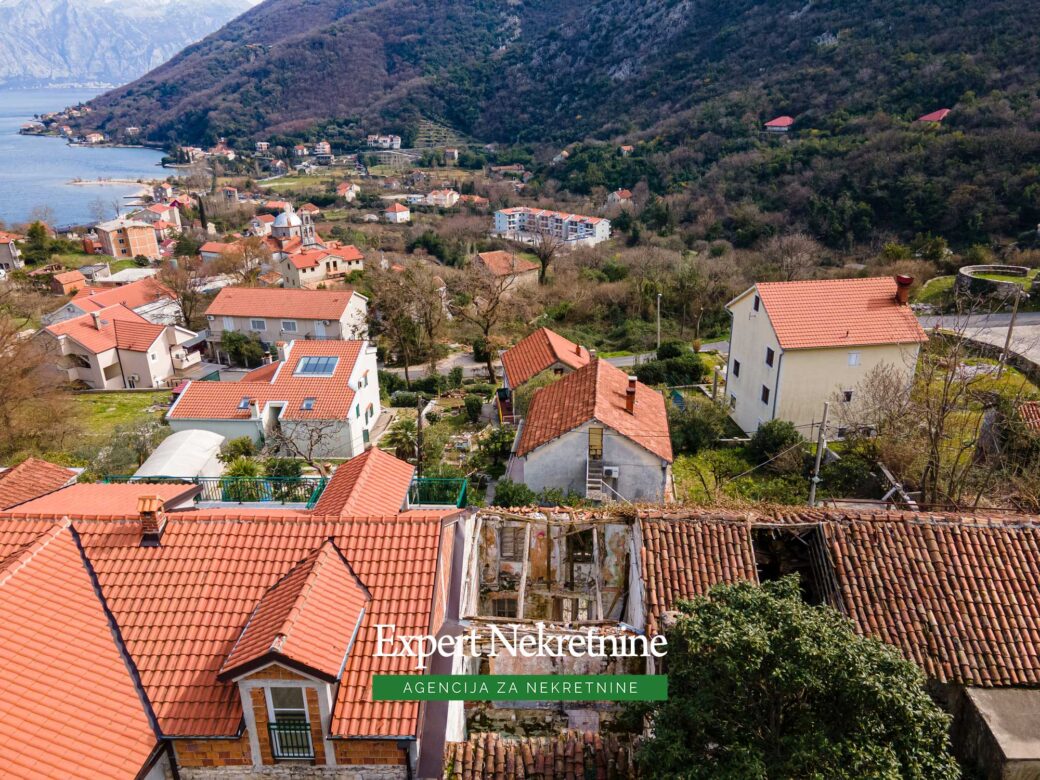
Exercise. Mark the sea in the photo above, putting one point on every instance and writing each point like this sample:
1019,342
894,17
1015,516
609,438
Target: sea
37,173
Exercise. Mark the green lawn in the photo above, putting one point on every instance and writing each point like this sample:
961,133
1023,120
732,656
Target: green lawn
104,412
1024,281
937,291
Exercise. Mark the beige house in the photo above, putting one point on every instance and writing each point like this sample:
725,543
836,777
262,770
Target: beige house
795,345
313,266
115,349
274,314
128,238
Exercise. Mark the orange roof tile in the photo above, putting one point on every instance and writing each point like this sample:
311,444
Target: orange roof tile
96,499
333,394
596,392
69,277
102,337
1029,411
502,263
308,618
31,479
262,374
8,238
396,208
132,296
273,302
539,351
70,704
838,313
373,483
182,606
217,247
136,336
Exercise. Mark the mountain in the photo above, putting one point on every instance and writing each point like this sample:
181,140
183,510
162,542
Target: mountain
45,42
563,69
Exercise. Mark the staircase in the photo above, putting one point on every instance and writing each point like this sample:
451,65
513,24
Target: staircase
594,479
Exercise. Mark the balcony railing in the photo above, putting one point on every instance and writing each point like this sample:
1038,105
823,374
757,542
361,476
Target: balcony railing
437,491
291,739
244,490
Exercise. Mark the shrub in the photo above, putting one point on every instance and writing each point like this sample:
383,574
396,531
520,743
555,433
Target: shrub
433,417
455,377
483,389
432,384
513,494
687,369
773,438
242,447
242,349
404,399
283,467
390,383
480,349
671,349
474,405
696,428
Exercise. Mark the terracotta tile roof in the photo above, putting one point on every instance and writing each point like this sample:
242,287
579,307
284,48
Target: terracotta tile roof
307,618
132,296
262,374
539,351
569,755
86,499
1029,412
960,596
502,263
396,208
333,394
182,606
935,116
622,193
69,277
31,479
596,392
8,238
780,121
271,277
101,339
373,483
217,247
838,313
70,706
308,259
136,336
274,302
266,218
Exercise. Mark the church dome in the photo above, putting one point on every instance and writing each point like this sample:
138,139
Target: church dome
287,219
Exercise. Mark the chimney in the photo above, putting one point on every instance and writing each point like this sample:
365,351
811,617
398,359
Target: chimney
630,395
577,350
153,520
903,283
254,410
96,316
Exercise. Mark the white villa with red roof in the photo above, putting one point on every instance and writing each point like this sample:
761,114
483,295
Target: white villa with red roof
327,390
147,297
795,345
596,432
274,314
526,224
115,348
313,266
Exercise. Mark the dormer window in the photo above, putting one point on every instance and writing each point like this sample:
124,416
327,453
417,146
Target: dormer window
243,404
289,723
308,404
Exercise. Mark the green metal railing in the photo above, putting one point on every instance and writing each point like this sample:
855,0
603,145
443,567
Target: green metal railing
291,739
244,490
438,491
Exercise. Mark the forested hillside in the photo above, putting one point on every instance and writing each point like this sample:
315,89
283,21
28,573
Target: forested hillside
689,81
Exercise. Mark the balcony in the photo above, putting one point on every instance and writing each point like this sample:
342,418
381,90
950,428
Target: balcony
300,491
291,739
437,492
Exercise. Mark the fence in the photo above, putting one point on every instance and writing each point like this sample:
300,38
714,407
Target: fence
243,490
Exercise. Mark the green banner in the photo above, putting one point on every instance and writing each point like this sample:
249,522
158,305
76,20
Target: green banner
519,687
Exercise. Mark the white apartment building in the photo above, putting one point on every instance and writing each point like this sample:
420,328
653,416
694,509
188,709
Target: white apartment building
525,224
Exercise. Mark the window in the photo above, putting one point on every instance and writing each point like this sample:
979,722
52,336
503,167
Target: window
289,724
853,358
579,547
511,543
244,403
258,324
736,368
757,303
289,326
308,404
770,356
152,355
732,402
317,365
229,323
505,607
846,396
357,410
765,394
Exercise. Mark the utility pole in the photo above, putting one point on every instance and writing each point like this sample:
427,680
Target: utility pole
659,320
418,435
1010,331
821,445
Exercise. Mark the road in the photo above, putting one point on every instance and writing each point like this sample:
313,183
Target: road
992,329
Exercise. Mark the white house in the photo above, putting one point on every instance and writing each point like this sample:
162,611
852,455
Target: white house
116,349
147,297
324,395
620,197
274,314
598,433
397,213
795,345
310,267
526,224
444,199
10,257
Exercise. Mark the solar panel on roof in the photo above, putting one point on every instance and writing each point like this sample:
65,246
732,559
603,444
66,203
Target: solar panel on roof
317,365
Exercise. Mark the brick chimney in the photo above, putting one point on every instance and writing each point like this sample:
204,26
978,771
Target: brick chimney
153,520
903,283
577,350
630,395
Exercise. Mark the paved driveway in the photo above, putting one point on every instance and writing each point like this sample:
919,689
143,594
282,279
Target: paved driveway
992,329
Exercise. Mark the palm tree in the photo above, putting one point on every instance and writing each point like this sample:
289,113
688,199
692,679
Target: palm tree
403,436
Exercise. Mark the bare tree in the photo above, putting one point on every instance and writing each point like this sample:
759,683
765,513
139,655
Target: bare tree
245,261
185,278
395,314
484,299
794,255
546,246
309,440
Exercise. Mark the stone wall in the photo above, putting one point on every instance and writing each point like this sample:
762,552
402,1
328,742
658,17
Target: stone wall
294,772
